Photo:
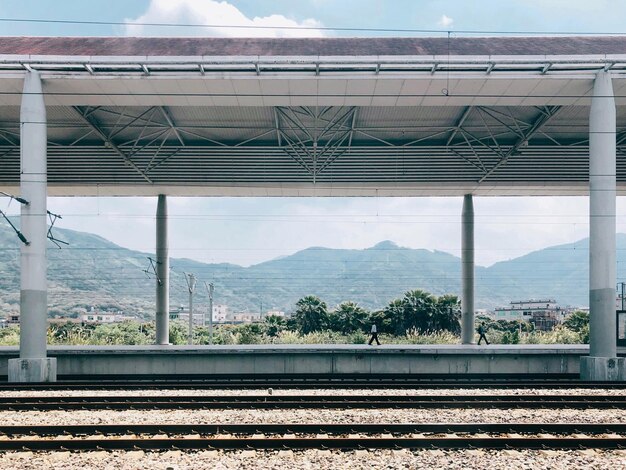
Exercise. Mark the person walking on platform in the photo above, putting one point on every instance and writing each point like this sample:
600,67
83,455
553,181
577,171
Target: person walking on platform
374,332
481,331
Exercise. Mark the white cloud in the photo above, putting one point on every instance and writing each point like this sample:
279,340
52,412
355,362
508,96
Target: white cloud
212,12
445,21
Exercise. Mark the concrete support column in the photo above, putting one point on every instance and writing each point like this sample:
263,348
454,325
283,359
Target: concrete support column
163,274
602,363
467,270
33,365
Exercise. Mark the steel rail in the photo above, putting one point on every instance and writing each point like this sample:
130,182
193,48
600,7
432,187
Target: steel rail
336,443
304,382
315,428
314,402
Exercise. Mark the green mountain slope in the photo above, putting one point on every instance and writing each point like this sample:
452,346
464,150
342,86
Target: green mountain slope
92,271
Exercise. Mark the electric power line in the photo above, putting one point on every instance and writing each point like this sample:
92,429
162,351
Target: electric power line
309,28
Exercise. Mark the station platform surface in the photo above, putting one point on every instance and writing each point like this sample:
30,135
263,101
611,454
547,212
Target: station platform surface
312,359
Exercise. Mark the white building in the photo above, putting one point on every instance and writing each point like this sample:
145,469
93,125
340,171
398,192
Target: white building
544,314
220,313
96,317
276,313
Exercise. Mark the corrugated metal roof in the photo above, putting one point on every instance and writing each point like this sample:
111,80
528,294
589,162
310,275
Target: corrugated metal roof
126,46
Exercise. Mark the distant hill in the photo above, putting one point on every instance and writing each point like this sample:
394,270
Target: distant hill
95,271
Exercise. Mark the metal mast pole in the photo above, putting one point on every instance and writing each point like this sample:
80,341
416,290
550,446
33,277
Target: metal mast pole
191,285
210,288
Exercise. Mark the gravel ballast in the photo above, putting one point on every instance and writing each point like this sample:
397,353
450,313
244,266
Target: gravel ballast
55,417
312,459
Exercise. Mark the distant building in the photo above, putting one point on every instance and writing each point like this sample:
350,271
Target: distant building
220,313
244,317
13,319
276,313
544,314
104,317
198,318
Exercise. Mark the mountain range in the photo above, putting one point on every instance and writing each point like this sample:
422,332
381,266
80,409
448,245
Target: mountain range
92,271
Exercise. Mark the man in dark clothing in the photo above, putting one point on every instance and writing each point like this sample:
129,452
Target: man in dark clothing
481,331
374,332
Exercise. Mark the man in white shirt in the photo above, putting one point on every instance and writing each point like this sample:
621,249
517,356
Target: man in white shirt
374,332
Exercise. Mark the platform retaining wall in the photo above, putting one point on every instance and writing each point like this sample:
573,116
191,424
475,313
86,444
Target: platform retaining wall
312,359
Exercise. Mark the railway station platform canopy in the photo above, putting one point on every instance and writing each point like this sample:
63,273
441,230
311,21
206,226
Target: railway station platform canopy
312,117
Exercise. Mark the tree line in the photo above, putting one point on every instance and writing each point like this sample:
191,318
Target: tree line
418,311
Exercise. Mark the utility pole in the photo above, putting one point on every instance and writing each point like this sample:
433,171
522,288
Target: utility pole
210,287
191,286
261,312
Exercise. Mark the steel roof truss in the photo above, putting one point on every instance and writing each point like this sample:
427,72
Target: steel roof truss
488,128
135,119
549,137
546,113
516,130
89,120
464,115
322,146
480,162
159,134
6,135
170,122
203,137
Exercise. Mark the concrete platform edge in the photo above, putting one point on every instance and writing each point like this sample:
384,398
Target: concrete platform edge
32,370
603,369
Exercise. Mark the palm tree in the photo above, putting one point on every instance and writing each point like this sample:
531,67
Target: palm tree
393,315
419,310
348,318
448,313
274,324
311,315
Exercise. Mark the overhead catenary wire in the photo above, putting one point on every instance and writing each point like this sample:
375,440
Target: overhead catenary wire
308,28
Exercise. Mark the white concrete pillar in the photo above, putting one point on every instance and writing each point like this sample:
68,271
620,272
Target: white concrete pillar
467,270
602,363
33,366
163,274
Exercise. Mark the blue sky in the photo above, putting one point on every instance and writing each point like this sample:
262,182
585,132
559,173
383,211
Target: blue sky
546,15
249,230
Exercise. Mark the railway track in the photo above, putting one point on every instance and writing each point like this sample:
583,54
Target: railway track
313,381
259,384
313,436
311,401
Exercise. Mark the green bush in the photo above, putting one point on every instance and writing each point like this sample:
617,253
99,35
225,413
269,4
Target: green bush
10,336
358,337
511,337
